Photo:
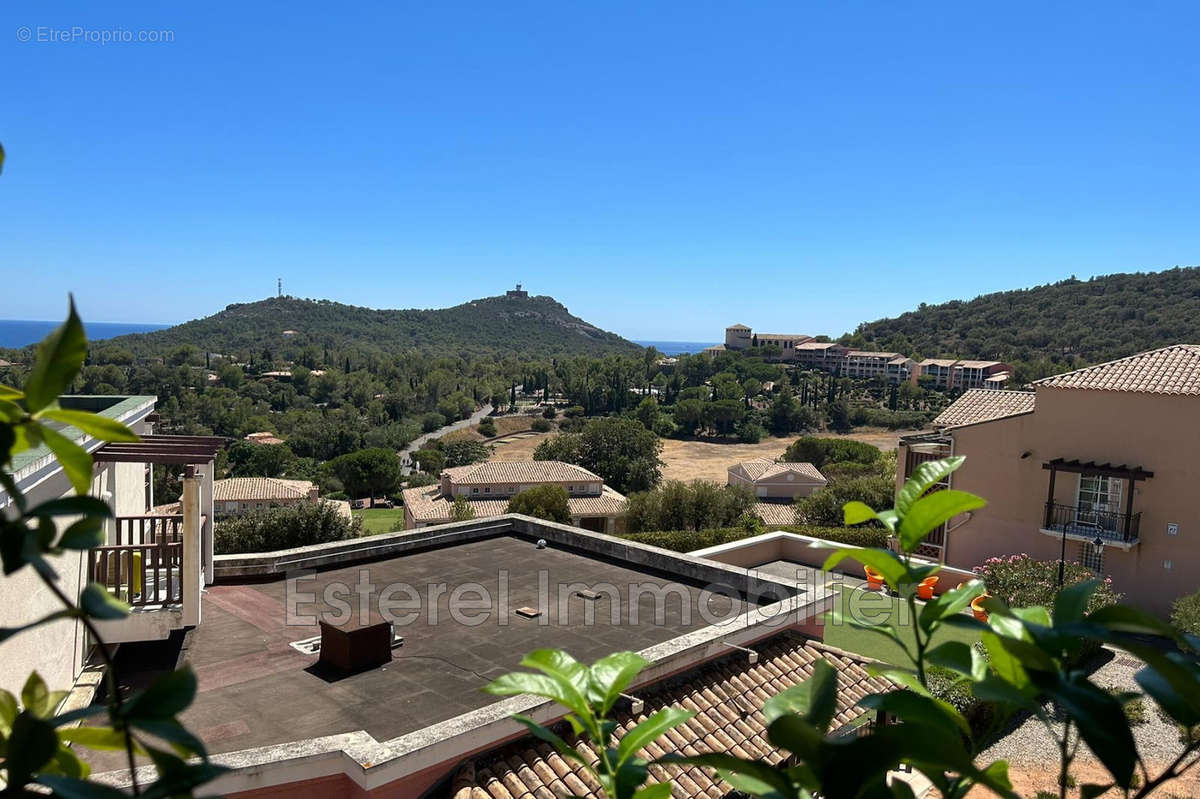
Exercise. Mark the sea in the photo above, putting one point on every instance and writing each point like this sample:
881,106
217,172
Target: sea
676,347
17,333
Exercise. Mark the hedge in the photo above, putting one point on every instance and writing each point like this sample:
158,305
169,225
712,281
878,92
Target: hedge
688,540
286,527
1185,613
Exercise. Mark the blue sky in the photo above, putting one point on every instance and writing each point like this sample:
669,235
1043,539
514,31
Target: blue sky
664,169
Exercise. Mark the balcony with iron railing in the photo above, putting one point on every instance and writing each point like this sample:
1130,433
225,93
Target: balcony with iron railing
1080,524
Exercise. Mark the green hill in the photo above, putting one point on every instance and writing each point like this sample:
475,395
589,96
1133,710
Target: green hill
1046,327
528,326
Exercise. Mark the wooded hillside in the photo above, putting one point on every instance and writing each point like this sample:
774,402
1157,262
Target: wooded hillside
1045,328
530,326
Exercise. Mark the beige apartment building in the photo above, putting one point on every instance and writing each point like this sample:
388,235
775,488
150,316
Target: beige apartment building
1100,464
489,486
948,373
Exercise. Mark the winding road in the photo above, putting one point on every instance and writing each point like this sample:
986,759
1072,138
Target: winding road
424,438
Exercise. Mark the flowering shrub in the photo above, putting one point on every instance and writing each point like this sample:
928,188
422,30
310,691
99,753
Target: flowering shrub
1021,581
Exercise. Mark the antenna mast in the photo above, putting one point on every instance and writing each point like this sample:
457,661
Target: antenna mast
279,286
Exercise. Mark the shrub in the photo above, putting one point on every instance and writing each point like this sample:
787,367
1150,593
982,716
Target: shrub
431,460
464,452
824,507
1185,613
432,421
461,510
820,451
549,412
487,427
983,717
548,501
620,450
1022,582
296,525
574,411
420,479
542,425
750,433
697,505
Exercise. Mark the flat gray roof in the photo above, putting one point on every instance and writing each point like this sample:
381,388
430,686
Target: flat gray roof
256,690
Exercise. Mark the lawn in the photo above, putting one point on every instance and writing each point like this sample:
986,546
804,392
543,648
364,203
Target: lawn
380,520
876,608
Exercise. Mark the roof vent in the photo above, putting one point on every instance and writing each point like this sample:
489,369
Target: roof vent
528,612
541,543
587,594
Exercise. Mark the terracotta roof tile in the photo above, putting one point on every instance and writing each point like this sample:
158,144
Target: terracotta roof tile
985,405
721,693
768,469
492,472
1170,370
427,504
238,489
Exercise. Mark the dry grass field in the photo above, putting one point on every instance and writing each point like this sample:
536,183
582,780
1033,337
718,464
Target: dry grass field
504,426
705,460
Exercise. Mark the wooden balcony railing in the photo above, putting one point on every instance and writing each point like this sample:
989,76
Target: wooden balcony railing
1079,523
145,565
149,529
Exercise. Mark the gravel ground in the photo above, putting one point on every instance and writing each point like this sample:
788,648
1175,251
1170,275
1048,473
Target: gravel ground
1032,753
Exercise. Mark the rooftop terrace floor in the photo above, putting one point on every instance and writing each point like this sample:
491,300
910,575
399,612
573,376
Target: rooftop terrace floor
256,690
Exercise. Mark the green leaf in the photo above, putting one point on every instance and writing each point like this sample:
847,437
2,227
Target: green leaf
1174,703
959,657
75,461
659,790
79,505
649,730
1072,601
792,732
930,511
83,534
98,738
183,742
815,699
915,709
168,695
557,663
98,603
558,689
8,710
922,478
728,764
59,358
66,763
1126,619
855,512
30,747
35,696
13,537
611,675
881,560
9,632
547,735
949,603
93,424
